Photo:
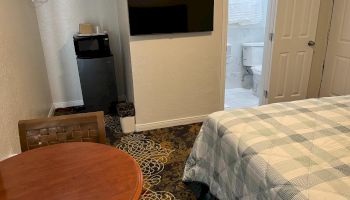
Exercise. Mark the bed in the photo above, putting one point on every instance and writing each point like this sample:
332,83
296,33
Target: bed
293,150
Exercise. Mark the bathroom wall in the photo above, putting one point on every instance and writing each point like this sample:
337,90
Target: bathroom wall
58,21
238,34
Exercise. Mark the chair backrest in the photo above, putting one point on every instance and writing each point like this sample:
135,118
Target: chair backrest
86,127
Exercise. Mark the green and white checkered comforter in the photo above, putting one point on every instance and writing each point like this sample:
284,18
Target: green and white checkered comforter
294,150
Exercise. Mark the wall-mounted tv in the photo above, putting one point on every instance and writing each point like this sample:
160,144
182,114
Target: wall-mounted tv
170,16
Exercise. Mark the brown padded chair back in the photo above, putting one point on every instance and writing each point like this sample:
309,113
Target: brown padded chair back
86,127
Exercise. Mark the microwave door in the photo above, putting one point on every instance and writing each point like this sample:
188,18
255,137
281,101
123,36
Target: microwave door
87,45
92,46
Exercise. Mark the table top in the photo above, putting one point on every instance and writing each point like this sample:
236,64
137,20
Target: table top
71,171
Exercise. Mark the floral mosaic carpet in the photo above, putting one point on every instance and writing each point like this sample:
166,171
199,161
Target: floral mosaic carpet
161,154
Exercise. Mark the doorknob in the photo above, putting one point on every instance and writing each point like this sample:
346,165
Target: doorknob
311,43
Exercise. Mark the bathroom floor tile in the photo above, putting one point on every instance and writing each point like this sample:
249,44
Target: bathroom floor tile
240,98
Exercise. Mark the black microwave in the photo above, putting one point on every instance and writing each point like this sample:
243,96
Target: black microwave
92,46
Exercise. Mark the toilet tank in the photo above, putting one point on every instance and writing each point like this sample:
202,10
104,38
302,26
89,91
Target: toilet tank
253,53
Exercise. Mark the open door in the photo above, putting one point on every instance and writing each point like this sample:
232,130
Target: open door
292,49
336,81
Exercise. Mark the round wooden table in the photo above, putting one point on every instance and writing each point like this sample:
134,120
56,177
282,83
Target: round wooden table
71,171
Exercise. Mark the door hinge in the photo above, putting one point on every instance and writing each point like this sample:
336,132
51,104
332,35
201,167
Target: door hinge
266,94
271,35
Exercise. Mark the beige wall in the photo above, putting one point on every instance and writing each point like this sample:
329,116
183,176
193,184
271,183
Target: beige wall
23,78
58,21
321,48
177,75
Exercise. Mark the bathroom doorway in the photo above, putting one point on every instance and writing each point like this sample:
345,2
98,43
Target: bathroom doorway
245,53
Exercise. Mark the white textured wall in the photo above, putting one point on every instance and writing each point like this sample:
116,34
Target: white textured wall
123,17
24,90
58,21
236,36
177,75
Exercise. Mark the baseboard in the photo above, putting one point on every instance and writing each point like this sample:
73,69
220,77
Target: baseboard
170,123
64,105
9,156
79,102
52,111
68,104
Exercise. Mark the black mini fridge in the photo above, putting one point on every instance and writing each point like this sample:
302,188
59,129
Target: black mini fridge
98,83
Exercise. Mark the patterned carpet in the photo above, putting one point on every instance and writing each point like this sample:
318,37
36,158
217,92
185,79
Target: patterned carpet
173,145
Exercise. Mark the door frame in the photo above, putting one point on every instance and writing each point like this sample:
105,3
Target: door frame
224,53
268,48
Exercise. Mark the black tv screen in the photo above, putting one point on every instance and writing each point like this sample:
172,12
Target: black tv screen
170,16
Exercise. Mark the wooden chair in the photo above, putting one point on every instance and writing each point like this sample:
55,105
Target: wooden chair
86,127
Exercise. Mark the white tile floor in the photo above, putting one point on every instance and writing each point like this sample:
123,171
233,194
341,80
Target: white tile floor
240,98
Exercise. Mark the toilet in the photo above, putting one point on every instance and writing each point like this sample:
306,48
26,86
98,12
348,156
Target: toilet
229,58
253,54
257,71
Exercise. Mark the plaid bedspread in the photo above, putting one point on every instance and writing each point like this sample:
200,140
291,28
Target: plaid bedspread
294,150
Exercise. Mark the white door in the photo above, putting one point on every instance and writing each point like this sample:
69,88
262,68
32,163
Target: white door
336,76
292,49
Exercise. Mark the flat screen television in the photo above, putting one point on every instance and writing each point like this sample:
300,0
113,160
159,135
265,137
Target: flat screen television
170,16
